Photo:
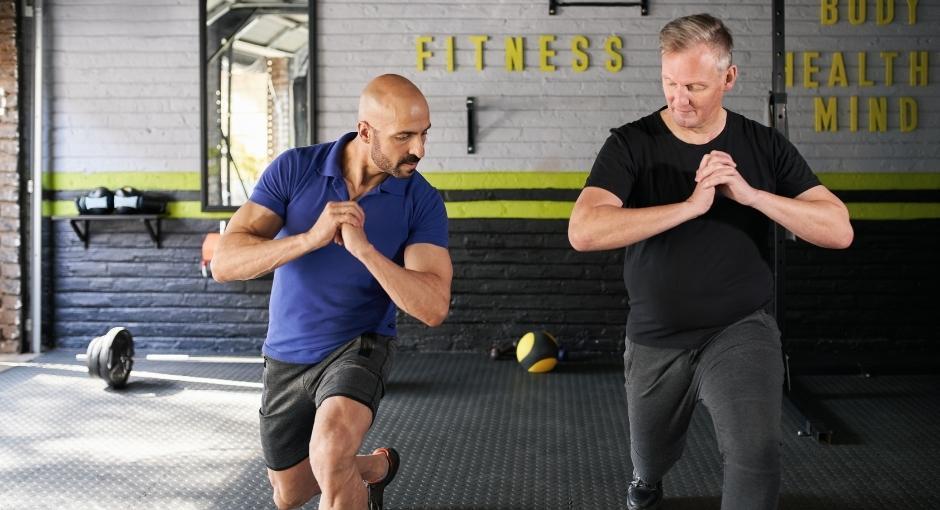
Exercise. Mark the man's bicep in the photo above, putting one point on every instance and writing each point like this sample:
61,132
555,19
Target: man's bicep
256,220
592,197
819,193
429,258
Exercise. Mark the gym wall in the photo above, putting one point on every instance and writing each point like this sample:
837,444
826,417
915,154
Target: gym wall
10,224
125,110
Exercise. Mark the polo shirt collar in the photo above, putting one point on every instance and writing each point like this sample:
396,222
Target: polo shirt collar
333,167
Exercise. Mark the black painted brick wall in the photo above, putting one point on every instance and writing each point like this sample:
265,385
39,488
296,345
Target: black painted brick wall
511,276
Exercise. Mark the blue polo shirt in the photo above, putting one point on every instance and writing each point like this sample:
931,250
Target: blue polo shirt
327,297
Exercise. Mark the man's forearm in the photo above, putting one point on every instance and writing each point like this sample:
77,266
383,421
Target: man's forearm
820,222
607,227
242,256
424,296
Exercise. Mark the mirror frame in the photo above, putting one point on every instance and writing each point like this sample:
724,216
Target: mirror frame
203,95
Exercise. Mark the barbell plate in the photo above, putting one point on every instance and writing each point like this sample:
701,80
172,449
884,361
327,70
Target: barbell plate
121,359
104,352
88,356
94,350
115,358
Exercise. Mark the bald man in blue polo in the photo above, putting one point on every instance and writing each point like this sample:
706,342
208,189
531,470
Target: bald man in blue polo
351,231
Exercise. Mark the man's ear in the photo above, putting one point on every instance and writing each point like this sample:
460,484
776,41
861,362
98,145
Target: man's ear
364,131
731,76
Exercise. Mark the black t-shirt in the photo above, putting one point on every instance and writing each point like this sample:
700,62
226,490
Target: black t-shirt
691,281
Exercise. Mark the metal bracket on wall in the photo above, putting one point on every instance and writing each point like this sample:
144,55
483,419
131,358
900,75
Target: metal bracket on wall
471,125
553,5
153,223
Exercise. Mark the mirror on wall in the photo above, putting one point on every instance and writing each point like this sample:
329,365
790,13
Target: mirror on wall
254,92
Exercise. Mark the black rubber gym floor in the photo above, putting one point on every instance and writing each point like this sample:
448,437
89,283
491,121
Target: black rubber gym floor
473,433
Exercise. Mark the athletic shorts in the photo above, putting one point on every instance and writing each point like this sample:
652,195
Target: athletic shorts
292,393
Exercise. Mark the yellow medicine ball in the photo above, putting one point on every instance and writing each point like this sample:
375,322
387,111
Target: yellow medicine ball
537,352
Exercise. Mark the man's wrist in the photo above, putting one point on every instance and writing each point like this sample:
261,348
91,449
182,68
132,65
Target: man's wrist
310,242
759,198
365,252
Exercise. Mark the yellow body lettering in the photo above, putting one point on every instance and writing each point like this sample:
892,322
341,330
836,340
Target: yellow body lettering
828,12
911,12
857,11
884,12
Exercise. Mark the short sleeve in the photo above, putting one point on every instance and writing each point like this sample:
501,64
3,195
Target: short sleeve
611,170
429,221
792,173
275,188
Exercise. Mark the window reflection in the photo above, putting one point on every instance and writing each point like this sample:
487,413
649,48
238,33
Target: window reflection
256,90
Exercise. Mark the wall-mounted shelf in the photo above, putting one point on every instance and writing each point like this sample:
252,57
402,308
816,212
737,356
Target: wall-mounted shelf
82,224
553,5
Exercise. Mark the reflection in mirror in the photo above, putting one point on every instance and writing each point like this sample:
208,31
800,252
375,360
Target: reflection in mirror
255,91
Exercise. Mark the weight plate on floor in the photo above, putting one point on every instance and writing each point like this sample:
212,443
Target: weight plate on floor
116,358
92,356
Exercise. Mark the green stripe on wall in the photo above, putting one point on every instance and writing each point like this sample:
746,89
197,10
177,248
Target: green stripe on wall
505,180
880,181
148,181
443,180
534,209
894,211
515,209
575,180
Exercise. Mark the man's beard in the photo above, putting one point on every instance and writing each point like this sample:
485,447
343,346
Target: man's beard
386,165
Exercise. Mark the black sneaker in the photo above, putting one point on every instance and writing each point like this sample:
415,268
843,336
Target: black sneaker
644,496
377,489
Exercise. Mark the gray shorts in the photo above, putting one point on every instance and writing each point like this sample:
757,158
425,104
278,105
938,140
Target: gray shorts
292,393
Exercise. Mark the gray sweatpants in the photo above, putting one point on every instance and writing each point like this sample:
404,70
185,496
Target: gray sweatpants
738,376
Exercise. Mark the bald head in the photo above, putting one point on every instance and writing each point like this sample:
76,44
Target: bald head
391,99
393,124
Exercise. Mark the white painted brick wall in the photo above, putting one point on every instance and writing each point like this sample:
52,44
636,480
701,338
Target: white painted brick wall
892,151
531,120
124,80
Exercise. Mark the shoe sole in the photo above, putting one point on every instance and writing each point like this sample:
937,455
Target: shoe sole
377,489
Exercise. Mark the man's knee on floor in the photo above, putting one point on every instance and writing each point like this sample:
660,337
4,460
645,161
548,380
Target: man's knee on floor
286,497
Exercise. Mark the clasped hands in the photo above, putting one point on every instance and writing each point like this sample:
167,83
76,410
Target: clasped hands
718,170
342,223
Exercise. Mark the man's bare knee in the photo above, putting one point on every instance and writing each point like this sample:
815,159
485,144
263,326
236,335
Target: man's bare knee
292,487
286,499
331,459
